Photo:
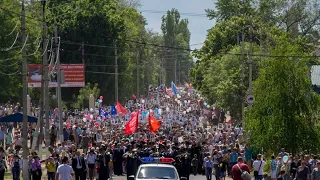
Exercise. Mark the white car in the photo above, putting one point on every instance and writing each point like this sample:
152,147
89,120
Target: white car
155,170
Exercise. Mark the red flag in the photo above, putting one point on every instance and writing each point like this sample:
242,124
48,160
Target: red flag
120,109
134,97
154,124
132,124
189,85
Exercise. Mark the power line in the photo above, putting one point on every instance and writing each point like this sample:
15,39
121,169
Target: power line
196,44
25,42
17,13
191,50
11,74
108,56
91,45
14,42
181,13
13,29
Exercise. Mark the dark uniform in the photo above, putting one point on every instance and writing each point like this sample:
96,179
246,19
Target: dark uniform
133,162
103,160
117,161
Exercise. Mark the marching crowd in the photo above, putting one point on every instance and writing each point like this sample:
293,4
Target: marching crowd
200,139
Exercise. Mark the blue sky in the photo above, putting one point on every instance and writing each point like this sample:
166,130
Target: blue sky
193,10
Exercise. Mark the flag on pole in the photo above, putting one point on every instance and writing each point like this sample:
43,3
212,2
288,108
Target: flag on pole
132,124
120,109
174,88
113,110
154,124
102,112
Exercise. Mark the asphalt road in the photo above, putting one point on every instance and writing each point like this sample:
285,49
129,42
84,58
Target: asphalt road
192,177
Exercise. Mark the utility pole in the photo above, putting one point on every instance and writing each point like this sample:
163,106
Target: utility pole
116,70
175,67
250,62
179,73
25,171
83,62
82,52
161,64
57,49
242,73
45,74
41,113
138,76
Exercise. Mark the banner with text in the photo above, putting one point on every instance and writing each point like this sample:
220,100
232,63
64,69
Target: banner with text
73,75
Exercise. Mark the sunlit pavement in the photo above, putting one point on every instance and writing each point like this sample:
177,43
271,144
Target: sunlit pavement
192,177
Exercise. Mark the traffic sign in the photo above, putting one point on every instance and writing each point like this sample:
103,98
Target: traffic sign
250,99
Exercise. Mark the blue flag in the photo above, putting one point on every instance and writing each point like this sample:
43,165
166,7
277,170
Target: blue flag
113,110
174,88
102,112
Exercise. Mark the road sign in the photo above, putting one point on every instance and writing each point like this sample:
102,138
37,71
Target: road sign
250,99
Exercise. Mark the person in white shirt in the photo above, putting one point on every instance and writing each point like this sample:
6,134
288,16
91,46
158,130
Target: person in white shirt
65,171
91,159
258,166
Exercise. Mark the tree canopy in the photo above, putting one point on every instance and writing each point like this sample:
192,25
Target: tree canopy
284,37
98,28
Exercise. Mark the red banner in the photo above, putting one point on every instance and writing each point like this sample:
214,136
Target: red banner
73,75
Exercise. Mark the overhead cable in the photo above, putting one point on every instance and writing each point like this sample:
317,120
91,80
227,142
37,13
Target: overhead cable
191,50
24,45
14,42
13,29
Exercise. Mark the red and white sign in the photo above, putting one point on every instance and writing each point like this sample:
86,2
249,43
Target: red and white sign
73,73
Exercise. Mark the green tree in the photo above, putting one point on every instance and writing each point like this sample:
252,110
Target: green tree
84,94
226,9
177,35
298,17
285,105
224,81
283,114
112,22
220,39
11,45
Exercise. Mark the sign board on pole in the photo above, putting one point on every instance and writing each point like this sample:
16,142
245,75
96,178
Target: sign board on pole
73,75
250,99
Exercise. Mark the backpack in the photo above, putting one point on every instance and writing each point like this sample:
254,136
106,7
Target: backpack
244,174
16,164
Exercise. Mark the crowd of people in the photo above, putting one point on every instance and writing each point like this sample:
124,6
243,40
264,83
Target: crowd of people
201,139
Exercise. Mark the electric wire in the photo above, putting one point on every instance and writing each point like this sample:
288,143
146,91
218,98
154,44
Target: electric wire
45,49
38,47
14,42
181,13
106,73
8,59
57,56
10,65
24,45
192,50
13,12
11,74
50,55
13,29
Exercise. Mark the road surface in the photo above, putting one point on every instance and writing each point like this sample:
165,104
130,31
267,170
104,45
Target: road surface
192,177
